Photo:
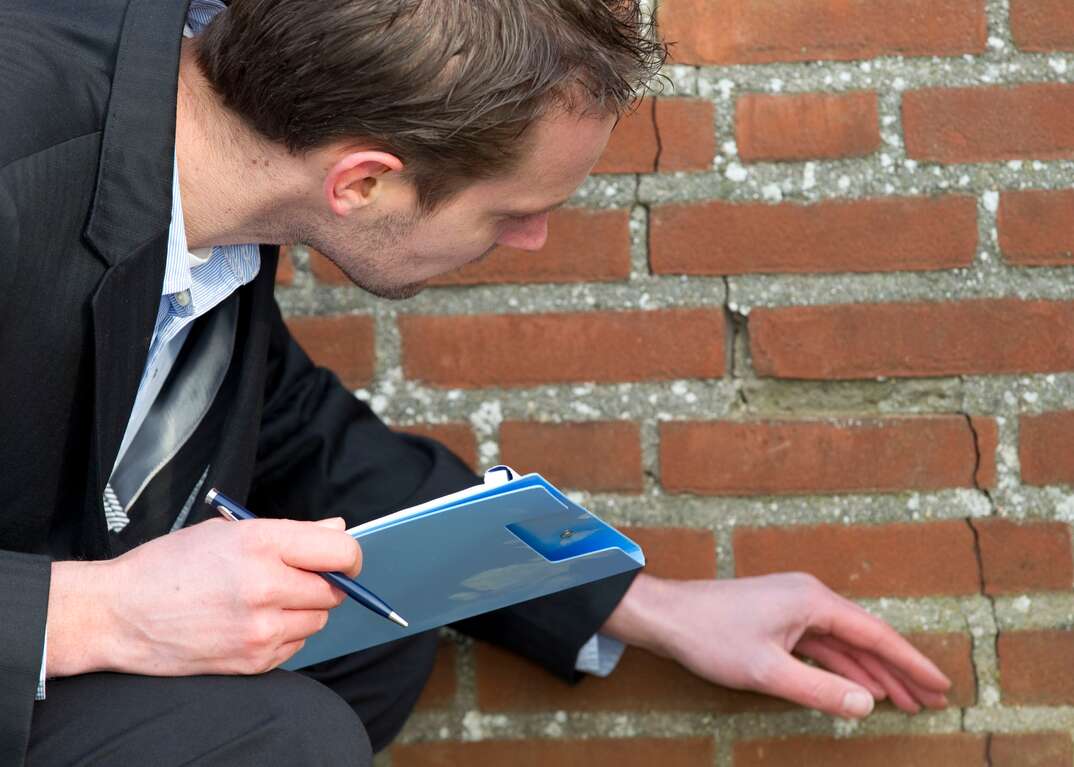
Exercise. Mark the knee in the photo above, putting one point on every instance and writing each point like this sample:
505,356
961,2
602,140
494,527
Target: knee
314,726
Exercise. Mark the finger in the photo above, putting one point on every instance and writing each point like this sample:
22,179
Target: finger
925,696
922,695
860,629
839,662
299,624
897,691
284,652
333,523
313,547
813,687
303,590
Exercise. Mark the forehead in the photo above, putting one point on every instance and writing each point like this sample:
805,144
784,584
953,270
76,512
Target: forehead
562,149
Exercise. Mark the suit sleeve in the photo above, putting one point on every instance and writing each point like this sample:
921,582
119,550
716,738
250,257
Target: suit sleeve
324,453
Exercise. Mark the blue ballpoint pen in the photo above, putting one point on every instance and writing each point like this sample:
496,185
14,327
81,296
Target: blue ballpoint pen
358,593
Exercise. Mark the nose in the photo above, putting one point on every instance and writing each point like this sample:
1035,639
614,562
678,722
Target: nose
528,234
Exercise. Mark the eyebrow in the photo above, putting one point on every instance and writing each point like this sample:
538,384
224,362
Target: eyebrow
527,213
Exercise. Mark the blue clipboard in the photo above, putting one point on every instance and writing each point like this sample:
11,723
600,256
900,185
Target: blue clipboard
506,541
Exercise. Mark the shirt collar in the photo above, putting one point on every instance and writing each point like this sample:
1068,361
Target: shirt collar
177,268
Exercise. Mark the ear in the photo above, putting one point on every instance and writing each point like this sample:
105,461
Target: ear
354,180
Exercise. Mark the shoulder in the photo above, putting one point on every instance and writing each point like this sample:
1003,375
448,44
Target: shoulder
57,62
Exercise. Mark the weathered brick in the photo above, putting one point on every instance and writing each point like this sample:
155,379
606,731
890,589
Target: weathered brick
285,267
1045,449
583,246
676,552
603,456
632,147
953,654
1043,25
325,270
686,132
1024,557
799,457
751,32
533,349
954,750
1034,227
910,560
1030,749
457,437
960,125
804,126
623,752
879,235
911,340
1036,668
343,343
641,682
439,691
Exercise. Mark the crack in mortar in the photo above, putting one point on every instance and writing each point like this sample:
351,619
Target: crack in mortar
980,570
736,322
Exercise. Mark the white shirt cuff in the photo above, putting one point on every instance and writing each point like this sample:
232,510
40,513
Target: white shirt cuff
44,656
599,656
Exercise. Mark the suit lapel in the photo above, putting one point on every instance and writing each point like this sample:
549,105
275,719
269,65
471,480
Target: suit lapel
127,226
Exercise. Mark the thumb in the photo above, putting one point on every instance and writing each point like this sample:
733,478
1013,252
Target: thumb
334,523
819,689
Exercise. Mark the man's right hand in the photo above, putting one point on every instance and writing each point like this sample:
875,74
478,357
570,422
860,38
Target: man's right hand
215,598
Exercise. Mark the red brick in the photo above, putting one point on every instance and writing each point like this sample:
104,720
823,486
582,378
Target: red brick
676,552
1036,668
583,246
457,437
687,134
602,456
807,125
910,560
343,343
954,750
913,340
641,682
633,145
752,32
1045,450
953,654
439,691
622,752
802,457
1033,749
1043,25
1034,227
959,125
285,267
882,235
326,271
1024,557
533,349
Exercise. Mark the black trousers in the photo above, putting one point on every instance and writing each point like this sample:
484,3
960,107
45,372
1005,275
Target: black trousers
335,713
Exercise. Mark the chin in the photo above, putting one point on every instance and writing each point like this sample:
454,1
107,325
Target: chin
395,292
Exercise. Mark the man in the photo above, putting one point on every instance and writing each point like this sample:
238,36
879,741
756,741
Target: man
147,360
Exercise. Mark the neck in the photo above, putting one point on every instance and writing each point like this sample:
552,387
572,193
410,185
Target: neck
227,175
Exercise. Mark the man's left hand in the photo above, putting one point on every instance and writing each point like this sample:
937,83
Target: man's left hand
741,633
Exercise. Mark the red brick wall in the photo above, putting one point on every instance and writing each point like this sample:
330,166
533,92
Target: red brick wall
815,311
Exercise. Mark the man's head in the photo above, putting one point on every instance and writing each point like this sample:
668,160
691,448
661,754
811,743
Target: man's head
436,129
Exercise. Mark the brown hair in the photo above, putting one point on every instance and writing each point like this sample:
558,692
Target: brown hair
450,86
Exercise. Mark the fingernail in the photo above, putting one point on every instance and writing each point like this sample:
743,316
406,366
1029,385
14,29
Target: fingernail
857,704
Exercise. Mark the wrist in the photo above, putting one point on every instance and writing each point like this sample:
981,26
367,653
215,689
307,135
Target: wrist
80,625
638,619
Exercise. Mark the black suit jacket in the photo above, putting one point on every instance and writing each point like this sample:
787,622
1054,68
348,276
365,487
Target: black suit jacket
87,120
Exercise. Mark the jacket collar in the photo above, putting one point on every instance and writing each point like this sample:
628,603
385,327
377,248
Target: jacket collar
132,200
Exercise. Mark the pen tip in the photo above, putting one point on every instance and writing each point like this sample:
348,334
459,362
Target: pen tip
398,619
